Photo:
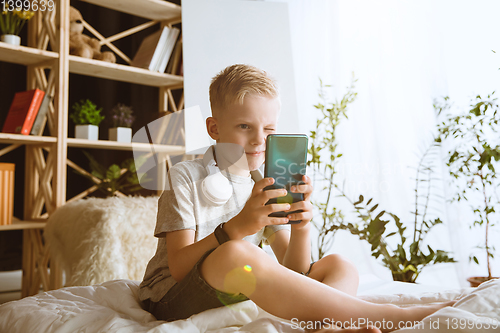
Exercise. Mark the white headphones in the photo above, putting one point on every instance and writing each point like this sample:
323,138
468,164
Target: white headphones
216,188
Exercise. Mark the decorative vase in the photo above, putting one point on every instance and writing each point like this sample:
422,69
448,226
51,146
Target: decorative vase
11,39
120,134
89,132
6,193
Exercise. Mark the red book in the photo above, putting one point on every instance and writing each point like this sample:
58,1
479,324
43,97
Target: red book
22,112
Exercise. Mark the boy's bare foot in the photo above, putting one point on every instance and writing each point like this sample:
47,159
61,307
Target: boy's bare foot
416,313
412,314
401,316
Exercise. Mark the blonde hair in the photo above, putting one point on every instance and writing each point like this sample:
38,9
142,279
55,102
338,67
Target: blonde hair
235,82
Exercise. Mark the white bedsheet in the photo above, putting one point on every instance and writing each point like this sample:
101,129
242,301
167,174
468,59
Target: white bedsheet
114,307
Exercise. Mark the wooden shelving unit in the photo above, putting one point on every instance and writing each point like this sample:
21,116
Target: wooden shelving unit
157,10
46,156
25,139
117,72
23,55
23,225
112,145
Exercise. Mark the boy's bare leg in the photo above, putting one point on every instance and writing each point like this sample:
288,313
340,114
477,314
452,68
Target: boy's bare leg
337,272
241,267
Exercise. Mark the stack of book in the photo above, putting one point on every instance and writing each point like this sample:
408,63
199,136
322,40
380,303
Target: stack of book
27,113
156,49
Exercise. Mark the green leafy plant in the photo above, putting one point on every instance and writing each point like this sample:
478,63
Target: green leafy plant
114,179
11,22
407,260
324,138
472,158
121,116
86,113
373,225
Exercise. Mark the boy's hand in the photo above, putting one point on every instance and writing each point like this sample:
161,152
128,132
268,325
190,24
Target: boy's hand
305,205
254,216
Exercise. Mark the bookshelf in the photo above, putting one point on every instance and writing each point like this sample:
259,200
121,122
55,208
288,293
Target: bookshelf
25,139
23,55
117,72
46,157
23,225
156,10
106,144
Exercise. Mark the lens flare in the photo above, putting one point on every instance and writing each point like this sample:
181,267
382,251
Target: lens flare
239,283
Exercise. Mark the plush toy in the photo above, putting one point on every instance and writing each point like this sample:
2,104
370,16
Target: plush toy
82,45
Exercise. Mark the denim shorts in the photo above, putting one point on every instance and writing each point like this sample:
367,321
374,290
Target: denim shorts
190,296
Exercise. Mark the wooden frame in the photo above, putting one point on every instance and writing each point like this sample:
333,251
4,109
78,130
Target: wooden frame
46,156
35,257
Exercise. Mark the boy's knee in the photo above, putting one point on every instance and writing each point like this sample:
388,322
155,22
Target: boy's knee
338,261
229,267
228,262
238,251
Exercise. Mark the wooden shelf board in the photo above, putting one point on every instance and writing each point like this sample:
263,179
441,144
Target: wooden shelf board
158,10
105,144
23,225
26,139
23,55
117,72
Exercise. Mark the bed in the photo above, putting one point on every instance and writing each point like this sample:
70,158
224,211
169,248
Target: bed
103,246
114,306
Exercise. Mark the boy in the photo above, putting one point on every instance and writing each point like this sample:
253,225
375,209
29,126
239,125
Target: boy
207,255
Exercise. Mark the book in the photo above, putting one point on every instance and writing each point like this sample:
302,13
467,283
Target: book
39,122
175,59
156,49
23,111
149,53
168,49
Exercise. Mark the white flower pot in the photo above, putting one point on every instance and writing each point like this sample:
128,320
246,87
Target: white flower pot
120,134
11,39
89,132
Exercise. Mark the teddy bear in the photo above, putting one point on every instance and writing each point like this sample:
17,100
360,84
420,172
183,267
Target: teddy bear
83,45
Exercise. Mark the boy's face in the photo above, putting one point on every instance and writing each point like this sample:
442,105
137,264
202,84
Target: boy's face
247,125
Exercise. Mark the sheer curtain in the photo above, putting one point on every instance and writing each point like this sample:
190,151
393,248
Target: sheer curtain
404,55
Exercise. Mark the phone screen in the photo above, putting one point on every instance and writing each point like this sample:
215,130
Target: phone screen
286,160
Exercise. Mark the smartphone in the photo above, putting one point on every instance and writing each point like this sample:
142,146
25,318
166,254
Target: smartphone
286,161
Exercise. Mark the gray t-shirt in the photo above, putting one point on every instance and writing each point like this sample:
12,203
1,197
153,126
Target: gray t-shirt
181,207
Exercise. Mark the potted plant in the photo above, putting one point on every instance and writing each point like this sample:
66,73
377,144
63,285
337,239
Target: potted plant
474,150
11,23
115,179
87,118
406,260
122,118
